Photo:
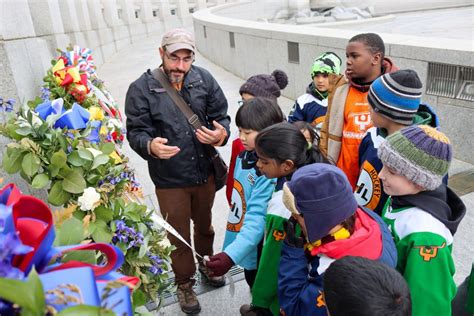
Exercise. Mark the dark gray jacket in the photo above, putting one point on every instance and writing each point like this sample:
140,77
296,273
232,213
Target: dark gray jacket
151,113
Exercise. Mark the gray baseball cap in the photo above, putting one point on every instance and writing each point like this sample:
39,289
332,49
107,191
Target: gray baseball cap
177,39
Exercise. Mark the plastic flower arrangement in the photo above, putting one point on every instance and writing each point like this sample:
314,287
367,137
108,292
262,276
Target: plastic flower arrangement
68,141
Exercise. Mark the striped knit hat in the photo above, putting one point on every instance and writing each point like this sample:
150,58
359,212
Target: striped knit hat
420,153
396,95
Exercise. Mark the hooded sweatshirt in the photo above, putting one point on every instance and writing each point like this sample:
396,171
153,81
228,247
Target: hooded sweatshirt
369,189
300,283
423,226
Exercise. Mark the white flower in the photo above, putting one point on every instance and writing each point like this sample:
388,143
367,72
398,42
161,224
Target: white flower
165,243
36,121
94,152
89,200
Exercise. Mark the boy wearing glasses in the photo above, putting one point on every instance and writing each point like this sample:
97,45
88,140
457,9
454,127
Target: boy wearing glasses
178,165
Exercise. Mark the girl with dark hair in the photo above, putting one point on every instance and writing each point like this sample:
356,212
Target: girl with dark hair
250,195
308,131
281,150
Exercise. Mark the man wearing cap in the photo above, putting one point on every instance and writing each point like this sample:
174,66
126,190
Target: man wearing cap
177,162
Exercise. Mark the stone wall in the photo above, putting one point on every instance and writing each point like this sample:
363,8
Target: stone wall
263,47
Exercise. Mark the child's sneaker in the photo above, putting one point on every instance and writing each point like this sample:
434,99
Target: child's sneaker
215,281
188,299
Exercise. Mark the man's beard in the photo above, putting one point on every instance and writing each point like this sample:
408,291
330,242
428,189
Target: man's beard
173,77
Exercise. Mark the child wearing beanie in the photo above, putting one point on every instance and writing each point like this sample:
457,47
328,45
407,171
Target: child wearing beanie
311,107
422,213
321,201
394,100
265,86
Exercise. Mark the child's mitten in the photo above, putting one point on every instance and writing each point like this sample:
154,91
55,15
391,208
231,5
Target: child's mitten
219,264
291,239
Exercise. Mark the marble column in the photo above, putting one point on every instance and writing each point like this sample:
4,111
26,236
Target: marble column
136,27
119,29
104,32
24,59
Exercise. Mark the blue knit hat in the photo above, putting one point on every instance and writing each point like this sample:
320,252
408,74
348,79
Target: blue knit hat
396,95
324,196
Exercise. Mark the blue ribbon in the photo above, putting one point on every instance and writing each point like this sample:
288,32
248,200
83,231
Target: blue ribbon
74,118
48,108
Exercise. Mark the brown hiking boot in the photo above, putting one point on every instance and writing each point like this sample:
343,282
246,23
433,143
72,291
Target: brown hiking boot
215,281
188,299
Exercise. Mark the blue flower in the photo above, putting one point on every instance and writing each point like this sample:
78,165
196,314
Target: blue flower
45,93
156,264
127,235
10,245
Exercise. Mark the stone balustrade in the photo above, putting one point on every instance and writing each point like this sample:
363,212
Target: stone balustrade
232,38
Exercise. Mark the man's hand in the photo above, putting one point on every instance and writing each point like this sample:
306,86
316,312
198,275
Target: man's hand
219,264
162,151
213,137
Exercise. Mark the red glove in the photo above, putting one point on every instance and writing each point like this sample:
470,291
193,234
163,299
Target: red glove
219,264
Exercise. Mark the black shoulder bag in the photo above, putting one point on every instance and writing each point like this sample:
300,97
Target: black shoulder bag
220,168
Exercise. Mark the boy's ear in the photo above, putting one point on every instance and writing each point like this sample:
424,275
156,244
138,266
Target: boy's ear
377,59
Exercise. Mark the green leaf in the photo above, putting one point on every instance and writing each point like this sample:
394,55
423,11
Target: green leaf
87,256
32,297
102,232
86,310
57,196
53,171
40,181
59,159
12,161
76,160
142,251
71,232
34,283
103,213
100,160
74,182
85,154
138,298
24,131
107,148
30,164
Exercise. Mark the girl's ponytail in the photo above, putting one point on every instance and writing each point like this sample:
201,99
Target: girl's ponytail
285,141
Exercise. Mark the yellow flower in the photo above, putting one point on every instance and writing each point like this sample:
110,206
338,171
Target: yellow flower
103,130
115,157
96,113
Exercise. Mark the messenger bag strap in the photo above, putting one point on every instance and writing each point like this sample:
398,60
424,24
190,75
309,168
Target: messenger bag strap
178,100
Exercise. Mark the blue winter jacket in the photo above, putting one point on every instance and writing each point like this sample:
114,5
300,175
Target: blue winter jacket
246,221
300,282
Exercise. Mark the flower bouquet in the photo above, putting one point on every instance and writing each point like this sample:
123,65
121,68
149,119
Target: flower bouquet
68,141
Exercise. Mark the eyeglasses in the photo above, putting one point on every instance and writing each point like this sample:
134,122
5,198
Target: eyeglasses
175,59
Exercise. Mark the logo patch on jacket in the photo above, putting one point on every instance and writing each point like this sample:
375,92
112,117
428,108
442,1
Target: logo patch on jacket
278,235
320,300
368,190
429,252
